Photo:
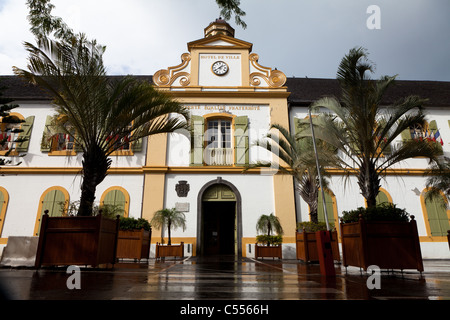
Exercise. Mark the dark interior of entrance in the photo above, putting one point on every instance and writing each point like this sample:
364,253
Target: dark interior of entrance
219,227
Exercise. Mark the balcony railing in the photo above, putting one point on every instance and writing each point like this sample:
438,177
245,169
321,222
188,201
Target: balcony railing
219,156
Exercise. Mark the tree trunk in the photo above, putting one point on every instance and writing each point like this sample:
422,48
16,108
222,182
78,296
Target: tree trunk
95,169
169,226
309,191
369,183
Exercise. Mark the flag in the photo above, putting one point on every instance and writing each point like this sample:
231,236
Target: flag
438,138
427,134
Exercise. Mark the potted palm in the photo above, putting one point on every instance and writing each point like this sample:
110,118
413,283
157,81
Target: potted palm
102,114
170,219
296,152
269,244
363,129
134,238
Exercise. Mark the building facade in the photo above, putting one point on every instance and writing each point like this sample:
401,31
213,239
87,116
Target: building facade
233,101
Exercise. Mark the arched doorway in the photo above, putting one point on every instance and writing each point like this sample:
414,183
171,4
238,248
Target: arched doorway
219,230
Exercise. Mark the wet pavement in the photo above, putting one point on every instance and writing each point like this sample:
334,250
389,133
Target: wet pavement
226,279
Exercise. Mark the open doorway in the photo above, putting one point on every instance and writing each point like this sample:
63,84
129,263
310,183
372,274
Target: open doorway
219,228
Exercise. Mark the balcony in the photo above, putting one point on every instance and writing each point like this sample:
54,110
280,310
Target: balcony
219,156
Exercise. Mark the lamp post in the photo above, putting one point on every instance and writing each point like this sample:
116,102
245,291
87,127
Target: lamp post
323,238
318,171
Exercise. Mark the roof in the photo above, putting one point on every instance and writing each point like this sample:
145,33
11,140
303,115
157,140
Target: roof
303,90
306,90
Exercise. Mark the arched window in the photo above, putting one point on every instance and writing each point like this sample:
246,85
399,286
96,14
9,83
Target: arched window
4,198
118,198
383,197
56,201
436,215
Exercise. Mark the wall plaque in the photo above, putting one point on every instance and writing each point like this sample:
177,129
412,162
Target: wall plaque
182,206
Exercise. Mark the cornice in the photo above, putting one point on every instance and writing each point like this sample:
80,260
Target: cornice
180,169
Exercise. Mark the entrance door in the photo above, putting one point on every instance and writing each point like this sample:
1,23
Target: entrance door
218,221
219,228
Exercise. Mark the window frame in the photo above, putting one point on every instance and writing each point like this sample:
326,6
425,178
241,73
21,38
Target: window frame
13,150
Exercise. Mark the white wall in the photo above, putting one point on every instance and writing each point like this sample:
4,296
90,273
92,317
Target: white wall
36,158
256,192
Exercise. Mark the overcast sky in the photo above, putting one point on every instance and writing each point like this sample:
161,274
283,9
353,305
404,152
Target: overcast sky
302,38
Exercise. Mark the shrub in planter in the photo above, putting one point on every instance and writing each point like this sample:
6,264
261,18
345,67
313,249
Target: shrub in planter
267,240
134,224
306,244
310,226
381,212
384,235
77,241
134,238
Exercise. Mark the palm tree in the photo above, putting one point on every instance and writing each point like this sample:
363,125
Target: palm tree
170,218
267,224
297,159
98,108
364,130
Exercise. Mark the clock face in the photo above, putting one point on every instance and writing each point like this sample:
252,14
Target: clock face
220,68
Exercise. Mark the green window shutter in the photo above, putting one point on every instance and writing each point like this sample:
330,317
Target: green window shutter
241,142
27,127
437,217
116,199
46,143
381,198
197,144
53,202
330,209
136,146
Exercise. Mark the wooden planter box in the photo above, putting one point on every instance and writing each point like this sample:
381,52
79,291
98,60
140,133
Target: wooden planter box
306,246
163,251
268,251
388,245
77,241
133,244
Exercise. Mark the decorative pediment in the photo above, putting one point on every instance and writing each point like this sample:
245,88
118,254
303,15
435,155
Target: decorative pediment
273,78
238,66
220,41
167,77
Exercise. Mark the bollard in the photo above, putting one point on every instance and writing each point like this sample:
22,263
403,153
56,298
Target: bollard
323,239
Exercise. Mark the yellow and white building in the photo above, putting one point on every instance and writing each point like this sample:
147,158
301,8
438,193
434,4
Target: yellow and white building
233,101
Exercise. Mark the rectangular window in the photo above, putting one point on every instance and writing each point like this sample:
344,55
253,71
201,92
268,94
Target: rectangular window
8,136
63,142
219,150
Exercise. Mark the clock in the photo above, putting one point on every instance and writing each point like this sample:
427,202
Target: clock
219,68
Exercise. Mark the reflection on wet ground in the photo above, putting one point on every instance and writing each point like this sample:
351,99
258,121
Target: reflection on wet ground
225,278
